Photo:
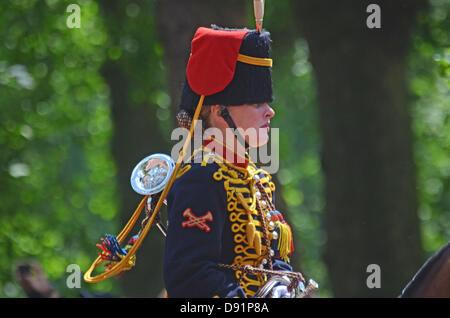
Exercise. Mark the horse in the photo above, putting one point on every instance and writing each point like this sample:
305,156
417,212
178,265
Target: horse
433,278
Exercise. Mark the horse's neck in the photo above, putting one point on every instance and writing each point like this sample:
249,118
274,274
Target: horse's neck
433,278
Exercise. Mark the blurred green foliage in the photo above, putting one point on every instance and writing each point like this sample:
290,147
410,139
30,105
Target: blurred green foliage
429,75
57,186
57,175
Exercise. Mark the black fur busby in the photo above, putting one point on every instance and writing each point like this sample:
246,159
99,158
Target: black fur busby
251,84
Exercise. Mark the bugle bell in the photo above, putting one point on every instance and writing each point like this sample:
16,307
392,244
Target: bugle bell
150,176
152,173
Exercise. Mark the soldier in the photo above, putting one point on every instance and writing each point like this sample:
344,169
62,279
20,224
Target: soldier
221,212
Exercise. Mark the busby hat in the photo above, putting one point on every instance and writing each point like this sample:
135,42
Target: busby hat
228,67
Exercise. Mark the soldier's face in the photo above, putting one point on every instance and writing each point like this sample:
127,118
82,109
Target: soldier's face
254,120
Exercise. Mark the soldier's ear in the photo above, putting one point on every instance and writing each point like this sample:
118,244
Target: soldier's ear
216,119
215,114
215,110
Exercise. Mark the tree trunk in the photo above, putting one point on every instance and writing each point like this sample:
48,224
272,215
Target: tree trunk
370,191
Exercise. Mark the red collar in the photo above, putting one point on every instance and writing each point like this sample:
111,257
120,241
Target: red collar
226,153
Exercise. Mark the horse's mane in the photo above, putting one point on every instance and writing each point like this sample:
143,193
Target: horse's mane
424,271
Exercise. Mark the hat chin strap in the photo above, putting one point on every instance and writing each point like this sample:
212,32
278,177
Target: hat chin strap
227,117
